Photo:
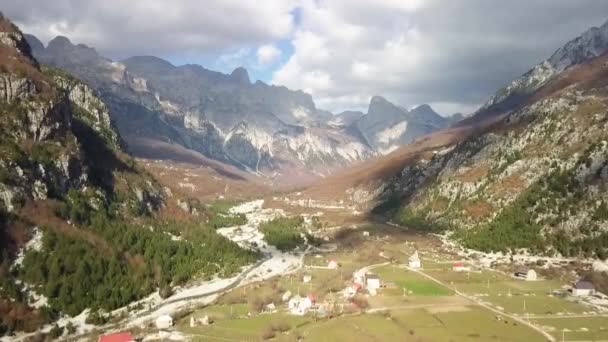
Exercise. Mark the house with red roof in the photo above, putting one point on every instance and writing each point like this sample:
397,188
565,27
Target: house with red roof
460,267
124,336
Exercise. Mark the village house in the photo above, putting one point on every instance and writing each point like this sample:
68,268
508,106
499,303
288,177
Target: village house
306,278
300,306
359,278
164,322
372,282
414,260
460,267
352,290
583,288
332,265
286,296
117,337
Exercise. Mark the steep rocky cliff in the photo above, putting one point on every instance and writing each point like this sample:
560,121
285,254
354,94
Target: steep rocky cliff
536,180
255,126
55,132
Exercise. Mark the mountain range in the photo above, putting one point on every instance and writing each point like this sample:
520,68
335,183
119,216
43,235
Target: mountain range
528,171
262,128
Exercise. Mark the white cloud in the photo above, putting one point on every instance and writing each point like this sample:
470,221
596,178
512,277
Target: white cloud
453,54
231,60
445,52
131,27
268,54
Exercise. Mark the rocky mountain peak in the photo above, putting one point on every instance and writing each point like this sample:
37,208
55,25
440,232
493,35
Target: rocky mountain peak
35,44
59,42
240,75
590,44
381,106
424,110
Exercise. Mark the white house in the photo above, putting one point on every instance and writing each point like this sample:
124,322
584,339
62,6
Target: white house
359,278
366,234
306,278
583,288
164,322
372,282
294,302
332,265
300,306
414,260
531,275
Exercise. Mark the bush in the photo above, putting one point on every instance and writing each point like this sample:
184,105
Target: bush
280,326
56,332
165,291
408,218
96,318
70,328
268,334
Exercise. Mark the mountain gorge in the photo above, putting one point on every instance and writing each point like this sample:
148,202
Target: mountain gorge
258,127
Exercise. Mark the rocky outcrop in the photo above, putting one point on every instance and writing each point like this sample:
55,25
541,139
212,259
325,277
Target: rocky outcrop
56,135
13,87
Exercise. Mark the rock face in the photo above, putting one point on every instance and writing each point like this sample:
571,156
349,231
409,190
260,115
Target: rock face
259,127
55,133
537,180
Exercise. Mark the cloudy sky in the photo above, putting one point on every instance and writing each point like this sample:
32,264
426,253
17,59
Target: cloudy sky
451,54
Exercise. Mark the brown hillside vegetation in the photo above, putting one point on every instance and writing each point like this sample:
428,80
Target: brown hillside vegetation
189,174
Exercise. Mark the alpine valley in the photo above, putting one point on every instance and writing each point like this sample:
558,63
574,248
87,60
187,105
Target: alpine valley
146,201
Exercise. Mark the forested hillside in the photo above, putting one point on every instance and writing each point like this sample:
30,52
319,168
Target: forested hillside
79,222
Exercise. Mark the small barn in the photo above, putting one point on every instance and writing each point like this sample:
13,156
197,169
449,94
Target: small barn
583,288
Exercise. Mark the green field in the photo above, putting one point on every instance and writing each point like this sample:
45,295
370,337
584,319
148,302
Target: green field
582,329
466,323
415,284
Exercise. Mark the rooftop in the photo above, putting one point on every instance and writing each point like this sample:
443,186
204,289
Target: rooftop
117,337
583,285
